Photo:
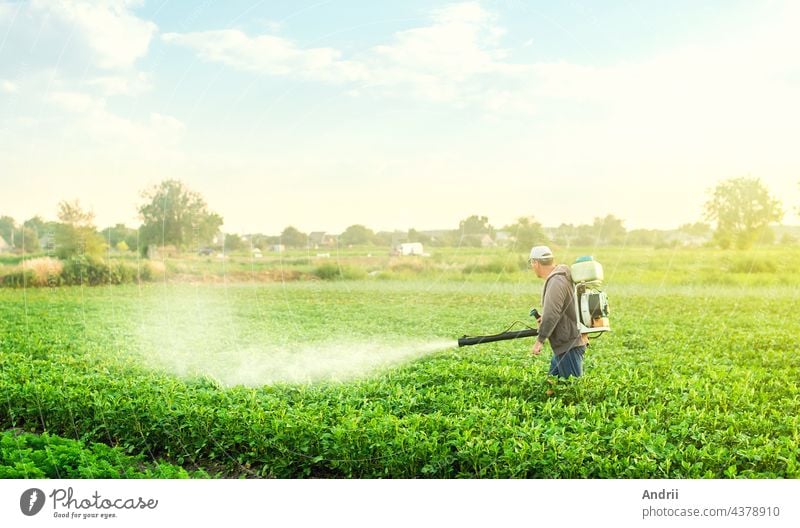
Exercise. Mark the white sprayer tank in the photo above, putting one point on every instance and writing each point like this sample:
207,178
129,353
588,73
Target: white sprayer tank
586,269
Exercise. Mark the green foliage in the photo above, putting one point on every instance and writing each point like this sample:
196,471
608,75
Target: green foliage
17,279
175,215
608,230
90,271
121,236
28,455
418,236
75,236
752,264
333,271
696,229
473,230
357,235
678,390
292,237
743,210
526,233
19,237
234,242
7,227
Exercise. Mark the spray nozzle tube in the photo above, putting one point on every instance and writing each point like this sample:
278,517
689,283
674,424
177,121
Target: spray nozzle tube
504,335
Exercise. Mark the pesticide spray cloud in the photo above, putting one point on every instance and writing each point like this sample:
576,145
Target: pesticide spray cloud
202,333
264,364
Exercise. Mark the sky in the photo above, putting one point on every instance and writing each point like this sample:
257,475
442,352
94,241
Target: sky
398,115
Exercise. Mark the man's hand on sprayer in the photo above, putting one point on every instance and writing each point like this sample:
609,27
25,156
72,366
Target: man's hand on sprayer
537,348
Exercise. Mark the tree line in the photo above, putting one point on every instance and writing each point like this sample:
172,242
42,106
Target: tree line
740,209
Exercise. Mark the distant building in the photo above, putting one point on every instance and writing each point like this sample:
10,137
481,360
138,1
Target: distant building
487,241
4,247
47,242
277,248
503,238
408,249
679,238
319,239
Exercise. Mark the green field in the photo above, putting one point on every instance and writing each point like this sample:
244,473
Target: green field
361,377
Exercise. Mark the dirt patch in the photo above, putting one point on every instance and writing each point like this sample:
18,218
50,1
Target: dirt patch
261,276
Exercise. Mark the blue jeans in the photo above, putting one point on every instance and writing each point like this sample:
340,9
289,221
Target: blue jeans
570,363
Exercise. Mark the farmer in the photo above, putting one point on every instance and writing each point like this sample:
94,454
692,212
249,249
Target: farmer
558,321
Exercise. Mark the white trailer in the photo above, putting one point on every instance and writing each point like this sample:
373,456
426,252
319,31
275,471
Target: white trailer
410,248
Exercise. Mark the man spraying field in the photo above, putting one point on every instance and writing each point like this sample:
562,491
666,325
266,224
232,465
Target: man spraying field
574,306
559,313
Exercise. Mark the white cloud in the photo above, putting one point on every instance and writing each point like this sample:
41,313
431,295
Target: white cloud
117,37
70,52
443,61
74,55
461,42
90,119
73,101
132,84
457,59
268,54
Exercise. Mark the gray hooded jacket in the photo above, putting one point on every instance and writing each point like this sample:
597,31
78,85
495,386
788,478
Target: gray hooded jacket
559,315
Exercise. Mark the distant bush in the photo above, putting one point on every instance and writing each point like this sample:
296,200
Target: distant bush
751,265
85,270
17,278
145,272
332,271
80,270
91,271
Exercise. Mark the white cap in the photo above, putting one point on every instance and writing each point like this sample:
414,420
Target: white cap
541,253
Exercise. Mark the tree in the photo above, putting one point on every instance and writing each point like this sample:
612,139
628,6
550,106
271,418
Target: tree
699,229
472,229
76,235
417,236
565,234
19,237
742,209
175,215
608,230
527,232
37,224
234,242
263,242
28,240
120,233
7,228
293,237
357,235
475,225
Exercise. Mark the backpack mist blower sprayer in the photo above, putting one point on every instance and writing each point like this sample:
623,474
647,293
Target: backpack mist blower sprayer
591,304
